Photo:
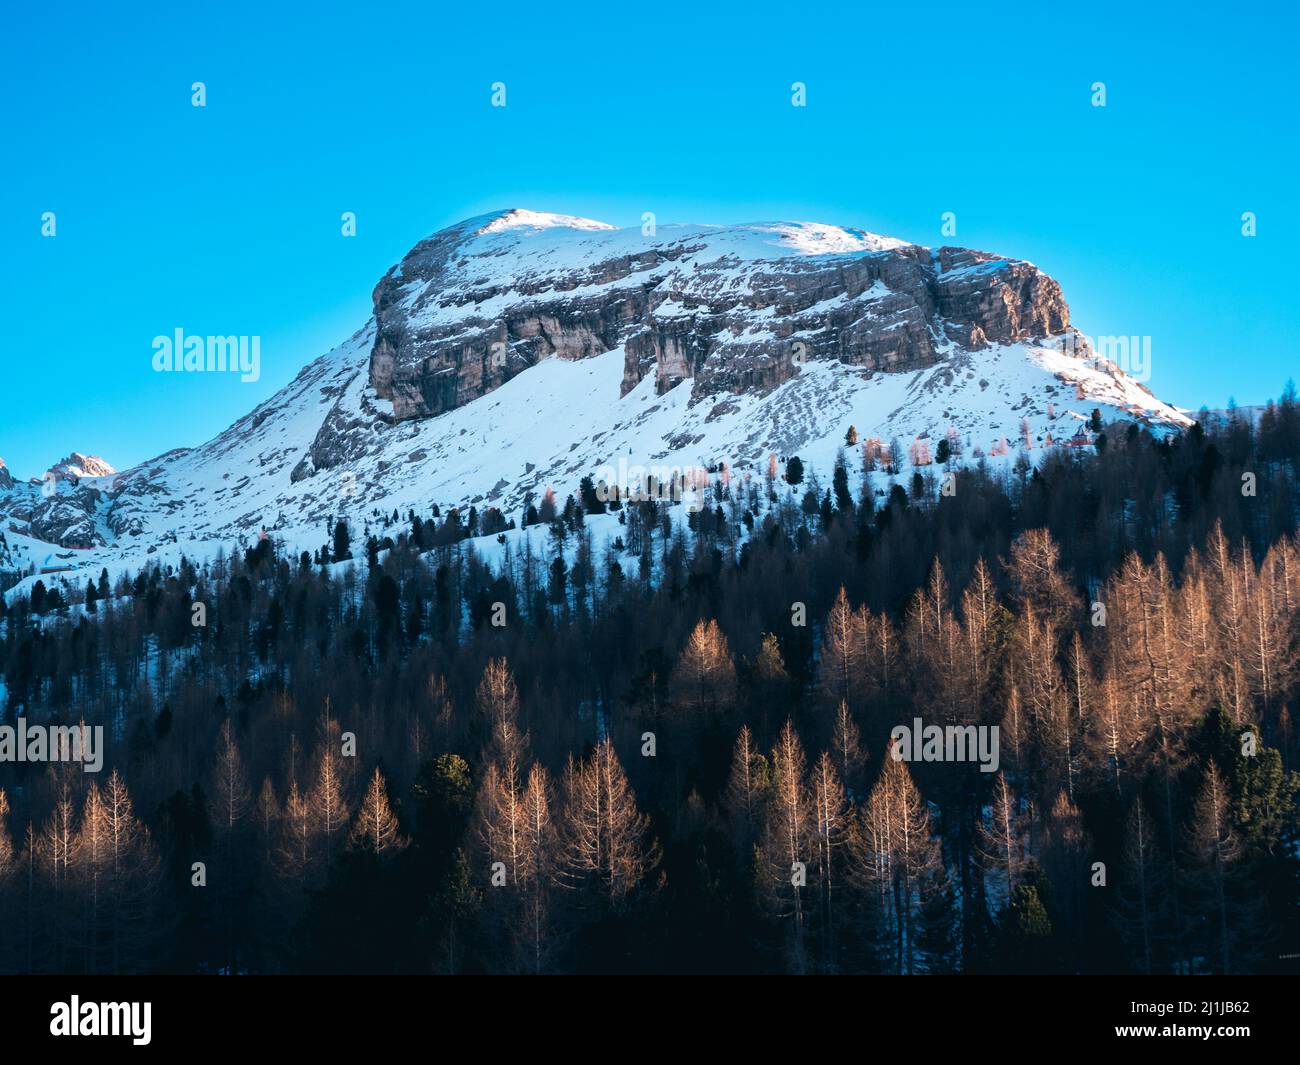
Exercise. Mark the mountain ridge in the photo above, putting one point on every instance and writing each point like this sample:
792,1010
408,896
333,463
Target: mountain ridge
519,351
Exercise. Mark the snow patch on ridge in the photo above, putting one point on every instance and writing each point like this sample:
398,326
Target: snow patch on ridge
817,238
517,218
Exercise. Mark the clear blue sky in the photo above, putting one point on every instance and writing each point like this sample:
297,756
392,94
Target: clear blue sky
225,219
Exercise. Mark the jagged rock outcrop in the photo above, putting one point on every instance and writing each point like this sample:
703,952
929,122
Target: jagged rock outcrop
67,521
735,309
76,466
341,434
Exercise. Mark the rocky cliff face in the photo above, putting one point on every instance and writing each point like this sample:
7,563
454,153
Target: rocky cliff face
733,309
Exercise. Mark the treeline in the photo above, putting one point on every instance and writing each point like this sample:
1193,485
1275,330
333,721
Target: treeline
673,753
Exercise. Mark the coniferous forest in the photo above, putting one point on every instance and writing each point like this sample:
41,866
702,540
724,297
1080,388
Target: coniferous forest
641,740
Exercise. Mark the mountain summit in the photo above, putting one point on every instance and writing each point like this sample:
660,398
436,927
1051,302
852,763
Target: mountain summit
733,308
78,465
520,351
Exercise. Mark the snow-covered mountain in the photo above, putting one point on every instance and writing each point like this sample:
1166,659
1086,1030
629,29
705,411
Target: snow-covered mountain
77,466
519,351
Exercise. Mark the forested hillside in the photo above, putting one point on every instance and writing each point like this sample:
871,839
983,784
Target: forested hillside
618,756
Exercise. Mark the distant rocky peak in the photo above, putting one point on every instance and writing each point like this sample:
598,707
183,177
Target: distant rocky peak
78,465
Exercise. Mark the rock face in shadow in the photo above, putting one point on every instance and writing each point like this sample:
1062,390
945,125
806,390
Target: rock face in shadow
732,309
